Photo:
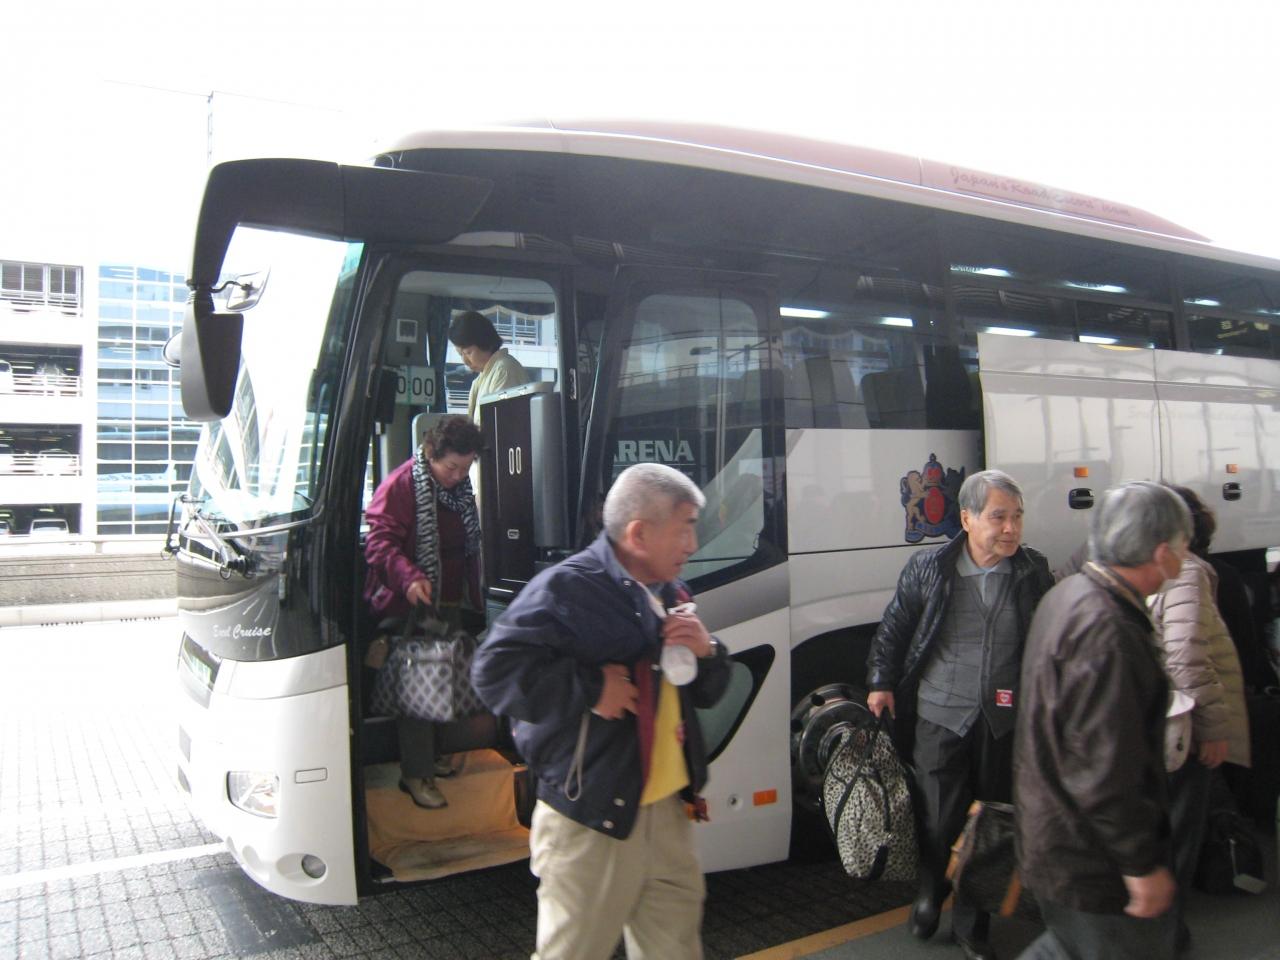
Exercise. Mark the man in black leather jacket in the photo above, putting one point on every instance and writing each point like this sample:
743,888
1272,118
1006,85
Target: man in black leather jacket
949,651
613,743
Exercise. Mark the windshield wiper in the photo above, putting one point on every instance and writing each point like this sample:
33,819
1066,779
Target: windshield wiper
230,558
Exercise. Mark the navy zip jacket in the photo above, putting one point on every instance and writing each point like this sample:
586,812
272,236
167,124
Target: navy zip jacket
540,665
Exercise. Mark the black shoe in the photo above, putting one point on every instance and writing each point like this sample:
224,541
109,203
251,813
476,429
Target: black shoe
975,949
924,915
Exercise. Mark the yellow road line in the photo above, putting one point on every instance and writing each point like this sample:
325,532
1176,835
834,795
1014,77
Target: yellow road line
806,946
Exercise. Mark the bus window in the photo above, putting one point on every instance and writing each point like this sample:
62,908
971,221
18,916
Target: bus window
1236,291
1123,326
522,311
1234,336
1030,258
691,395
984,309
1231,312
870,358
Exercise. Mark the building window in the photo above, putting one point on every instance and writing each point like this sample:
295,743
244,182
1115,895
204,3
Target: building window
145,445
33,285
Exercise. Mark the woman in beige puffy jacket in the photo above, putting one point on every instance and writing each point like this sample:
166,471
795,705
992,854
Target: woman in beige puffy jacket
1201,661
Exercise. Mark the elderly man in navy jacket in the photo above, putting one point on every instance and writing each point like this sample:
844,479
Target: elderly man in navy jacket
605,720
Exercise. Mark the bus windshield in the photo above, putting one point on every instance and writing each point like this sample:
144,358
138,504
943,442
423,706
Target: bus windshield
260,464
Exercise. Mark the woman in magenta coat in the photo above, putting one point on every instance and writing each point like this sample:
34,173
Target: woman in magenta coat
423,547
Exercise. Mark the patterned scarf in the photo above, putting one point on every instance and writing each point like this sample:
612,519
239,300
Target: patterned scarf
426,494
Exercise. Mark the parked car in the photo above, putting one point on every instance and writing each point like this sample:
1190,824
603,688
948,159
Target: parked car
5,528
55,460
49,527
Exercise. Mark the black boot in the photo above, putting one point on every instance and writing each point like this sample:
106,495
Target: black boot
926,910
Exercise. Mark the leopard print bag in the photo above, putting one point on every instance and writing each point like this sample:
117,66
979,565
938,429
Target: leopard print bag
868,806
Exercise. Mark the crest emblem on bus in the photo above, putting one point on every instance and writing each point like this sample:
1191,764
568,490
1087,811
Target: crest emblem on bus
929,497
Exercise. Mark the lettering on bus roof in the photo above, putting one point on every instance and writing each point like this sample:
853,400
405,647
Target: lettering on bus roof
885,165
979,183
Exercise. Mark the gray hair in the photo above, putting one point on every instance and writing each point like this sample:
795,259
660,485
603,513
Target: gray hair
977,487
1131,520
647,491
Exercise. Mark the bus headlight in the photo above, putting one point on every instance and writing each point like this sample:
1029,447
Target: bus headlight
254,792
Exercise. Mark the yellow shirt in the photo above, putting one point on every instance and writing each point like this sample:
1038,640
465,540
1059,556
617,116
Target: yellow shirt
667,770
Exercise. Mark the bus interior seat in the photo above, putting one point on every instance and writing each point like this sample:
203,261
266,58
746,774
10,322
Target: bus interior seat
835,396
421,424
894,398
746,393
797,394
949,390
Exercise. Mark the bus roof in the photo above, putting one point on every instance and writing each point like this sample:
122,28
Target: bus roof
837,166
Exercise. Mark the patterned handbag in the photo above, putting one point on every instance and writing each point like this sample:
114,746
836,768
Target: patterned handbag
984,864
427,673
868,805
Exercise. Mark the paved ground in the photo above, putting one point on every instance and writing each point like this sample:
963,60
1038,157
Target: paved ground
99,856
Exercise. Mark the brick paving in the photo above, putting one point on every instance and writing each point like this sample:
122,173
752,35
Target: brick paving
87,743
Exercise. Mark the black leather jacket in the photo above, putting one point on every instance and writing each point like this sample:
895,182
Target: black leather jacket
914,616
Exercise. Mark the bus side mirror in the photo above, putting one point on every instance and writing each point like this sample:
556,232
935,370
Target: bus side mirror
172,352
210,358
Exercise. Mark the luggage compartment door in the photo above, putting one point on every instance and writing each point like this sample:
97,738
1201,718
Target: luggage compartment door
1219,435
1067,420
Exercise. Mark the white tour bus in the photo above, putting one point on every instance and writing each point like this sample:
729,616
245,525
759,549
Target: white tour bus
826,339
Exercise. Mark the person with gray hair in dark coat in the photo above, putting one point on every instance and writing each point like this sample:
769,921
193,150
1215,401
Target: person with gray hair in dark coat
950,646
608,723
1090,789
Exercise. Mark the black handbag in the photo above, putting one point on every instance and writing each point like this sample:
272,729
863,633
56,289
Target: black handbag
984,868
427,673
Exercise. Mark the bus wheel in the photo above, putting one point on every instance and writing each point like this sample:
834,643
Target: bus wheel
817,723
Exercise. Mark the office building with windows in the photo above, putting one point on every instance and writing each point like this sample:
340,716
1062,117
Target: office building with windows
144,444
92,436
46,408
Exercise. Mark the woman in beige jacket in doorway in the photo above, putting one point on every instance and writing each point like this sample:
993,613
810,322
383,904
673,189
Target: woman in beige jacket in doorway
1201,661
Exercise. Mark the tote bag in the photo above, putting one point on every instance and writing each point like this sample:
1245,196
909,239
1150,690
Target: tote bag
427,673
868,806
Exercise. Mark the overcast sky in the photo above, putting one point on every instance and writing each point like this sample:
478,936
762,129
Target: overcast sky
1168,106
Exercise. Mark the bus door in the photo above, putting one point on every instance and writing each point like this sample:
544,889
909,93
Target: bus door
1067,420
689,377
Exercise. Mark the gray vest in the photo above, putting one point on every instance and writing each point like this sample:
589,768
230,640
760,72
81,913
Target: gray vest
977,655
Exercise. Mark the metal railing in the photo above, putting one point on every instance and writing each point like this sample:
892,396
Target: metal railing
41,385
67,304
39,464
55,544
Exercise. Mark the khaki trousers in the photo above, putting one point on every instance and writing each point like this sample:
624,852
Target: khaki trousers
594,889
